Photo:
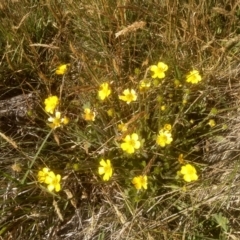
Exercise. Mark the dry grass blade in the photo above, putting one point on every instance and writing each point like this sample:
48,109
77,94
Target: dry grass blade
9,140
131,28
57,210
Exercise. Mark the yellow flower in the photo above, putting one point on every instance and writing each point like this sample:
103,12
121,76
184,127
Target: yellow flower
104,91
122,127
140,182
53,182
128,96
158,70
110,112
106,169
55,121
51,103
65,120
89,115
130,143
163,108
194,77
62,69
167,127
164,137
144,85
43,174
189,173
212,123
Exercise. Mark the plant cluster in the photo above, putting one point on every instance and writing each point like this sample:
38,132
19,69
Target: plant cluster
131,141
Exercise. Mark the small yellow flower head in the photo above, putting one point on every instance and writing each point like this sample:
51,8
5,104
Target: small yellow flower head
164,138
194,77
167,127
110,112
53,182
163,107
130,143
140,182
55,121
43,174
212,123
106,169
89,115
122,127
51,103
189,173
104,91
177,83
62,69
65,120
158,70
128,96
144,85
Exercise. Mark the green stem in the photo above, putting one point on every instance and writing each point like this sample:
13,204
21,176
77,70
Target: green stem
35,157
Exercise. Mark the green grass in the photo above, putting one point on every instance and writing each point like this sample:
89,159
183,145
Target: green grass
36,37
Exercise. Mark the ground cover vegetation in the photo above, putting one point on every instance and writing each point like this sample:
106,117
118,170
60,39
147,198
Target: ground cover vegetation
119,119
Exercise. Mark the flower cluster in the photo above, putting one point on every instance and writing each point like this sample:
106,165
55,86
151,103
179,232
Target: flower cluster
131,142
106,170
164,136
48,177
56,120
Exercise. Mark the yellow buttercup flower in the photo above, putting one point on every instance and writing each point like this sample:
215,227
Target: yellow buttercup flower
158,70
164,138
140,182
193,77
104,91
53,182
51,103
43,174
55,121
129,95
189,173
131,143
62,69
89,115
105,169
